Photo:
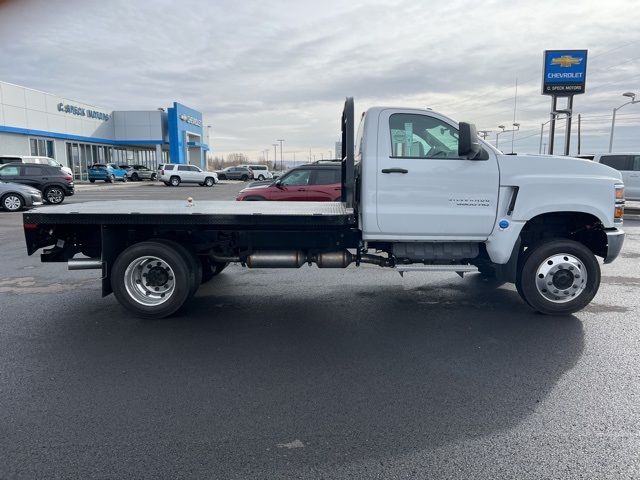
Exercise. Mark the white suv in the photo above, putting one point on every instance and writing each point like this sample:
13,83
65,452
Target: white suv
173,174
260,172
628,164
32,159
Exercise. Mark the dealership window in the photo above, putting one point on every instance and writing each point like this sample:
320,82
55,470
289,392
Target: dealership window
422,136
41,147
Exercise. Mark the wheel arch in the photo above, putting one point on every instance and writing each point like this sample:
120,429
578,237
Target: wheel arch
4,195
584,227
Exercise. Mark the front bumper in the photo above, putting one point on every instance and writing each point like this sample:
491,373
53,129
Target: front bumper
615,239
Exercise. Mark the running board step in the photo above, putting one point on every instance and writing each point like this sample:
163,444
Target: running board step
459,269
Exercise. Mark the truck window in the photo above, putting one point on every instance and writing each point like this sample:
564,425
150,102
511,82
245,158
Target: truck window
422,136
298,177
326,177
619,162
636,163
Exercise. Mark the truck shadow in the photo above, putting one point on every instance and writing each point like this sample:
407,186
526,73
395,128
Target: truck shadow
356,375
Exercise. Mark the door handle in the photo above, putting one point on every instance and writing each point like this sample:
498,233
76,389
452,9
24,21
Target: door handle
302,190
394,170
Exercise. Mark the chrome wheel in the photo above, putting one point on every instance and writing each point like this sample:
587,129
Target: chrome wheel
55,195
12,203
149,281
561,278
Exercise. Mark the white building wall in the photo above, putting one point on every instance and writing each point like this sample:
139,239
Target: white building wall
137,125
23,107
13,144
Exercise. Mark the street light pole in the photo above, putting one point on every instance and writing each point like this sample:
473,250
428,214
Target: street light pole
516,127
542,135
281,162
613,119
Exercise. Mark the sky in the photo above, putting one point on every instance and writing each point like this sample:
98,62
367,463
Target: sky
265,70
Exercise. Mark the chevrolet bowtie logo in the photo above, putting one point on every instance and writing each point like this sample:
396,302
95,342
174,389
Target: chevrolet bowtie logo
566,61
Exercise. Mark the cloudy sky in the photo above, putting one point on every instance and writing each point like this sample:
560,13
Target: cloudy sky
264,70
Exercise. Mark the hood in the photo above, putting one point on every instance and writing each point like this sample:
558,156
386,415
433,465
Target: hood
18,187
513,167
258,186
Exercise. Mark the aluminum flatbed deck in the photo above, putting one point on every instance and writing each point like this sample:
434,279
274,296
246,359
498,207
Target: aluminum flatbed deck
180,212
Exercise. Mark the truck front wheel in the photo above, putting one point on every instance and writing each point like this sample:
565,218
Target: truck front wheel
559,277
151,279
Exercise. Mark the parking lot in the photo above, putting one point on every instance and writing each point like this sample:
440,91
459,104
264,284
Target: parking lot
313,373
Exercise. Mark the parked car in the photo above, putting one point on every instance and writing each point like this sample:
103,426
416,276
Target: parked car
109,173
260,172
316,182
51,181
4,159
235,173
15,197
140,172
628,164
173,174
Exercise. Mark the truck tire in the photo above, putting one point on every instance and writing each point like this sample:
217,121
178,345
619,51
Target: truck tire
260,178
174,181
151,279
559,277
195,268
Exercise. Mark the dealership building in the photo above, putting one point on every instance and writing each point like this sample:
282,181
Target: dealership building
78,135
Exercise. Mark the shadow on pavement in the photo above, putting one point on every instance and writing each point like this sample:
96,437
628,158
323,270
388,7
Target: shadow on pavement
360,374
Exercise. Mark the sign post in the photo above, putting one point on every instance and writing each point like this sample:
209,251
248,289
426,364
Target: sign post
565,73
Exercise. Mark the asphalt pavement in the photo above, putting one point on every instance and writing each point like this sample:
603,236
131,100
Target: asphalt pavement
310,373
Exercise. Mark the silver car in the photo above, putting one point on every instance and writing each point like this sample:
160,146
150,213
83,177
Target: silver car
140,172
15,197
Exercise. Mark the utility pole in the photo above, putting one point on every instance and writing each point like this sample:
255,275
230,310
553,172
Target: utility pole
281,162
275,154
579,137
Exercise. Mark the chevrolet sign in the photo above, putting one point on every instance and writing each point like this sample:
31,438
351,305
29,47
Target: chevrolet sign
191,120
565,72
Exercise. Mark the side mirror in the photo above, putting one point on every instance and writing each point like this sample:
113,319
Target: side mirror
278,184
468,143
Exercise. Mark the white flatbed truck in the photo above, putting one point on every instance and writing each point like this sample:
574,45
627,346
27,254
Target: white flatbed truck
421,191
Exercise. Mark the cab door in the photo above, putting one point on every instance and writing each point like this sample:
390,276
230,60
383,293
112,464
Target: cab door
425,191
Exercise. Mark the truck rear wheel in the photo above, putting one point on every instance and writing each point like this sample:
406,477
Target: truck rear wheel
151,279
559,277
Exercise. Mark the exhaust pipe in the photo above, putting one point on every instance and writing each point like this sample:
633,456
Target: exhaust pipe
84,264
286,259
297,258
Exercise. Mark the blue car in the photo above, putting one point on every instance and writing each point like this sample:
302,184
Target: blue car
107,173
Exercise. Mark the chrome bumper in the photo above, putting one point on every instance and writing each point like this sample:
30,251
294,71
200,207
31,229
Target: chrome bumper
615,239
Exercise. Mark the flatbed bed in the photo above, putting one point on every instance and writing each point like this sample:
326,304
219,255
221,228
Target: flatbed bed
306,215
